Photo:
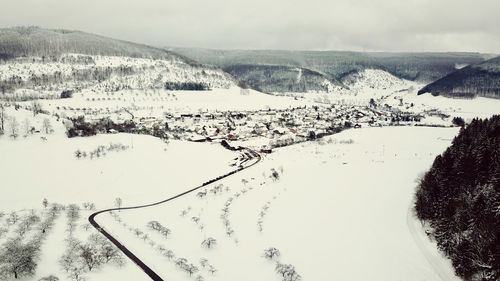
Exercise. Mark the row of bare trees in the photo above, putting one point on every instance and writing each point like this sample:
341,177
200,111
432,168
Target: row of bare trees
11,125
286,271
19,255
84,256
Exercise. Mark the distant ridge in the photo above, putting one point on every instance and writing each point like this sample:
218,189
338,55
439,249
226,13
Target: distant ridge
422,67
246,65
481,79
36,41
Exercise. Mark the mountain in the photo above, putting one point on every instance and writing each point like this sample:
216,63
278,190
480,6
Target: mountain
331,65
481,79
43,63
34,41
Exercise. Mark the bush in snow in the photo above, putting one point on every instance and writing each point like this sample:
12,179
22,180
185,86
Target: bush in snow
209,243
202,194
271,253
212,270
287,272
274,174
101,151
156,226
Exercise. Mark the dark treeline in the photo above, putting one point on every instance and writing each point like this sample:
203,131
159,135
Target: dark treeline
459,197
186,86
82,128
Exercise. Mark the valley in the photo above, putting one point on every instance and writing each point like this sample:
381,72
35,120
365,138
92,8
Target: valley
250,165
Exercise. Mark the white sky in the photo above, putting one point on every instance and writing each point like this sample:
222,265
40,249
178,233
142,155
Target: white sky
371,25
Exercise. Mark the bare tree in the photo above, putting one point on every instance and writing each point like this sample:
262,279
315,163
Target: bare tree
118,202
271,253
212,270
169,254
45,203
191,268
27,126
3,117
36,107
287,271
18,259
47,126
14,127
274,174
209,242
73,214
90,256
181,262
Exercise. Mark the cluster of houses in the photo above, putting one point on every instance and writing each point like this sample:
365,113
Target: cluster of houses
282,127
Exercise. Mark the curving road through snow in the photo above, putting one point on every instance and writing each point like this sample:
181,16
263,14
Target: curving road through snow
153,275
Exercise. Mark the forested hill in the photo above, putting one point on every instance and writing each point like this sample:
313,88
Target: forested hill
459,197
278,78
481,79
35,41
421,67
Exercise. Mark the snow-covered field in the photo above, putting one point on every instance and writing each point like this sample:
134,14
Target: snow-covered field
157,102
337,212
33,169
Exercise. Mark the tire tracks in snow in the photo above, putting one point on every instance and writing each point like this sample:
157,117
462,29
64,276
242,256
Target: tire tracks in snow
144,267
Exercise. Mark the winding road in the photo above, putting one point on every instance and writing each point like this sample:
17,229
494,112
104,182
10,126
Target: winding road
153,275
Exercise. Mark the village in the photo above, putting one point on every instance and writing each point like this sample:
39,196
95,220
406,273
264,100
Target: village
270,128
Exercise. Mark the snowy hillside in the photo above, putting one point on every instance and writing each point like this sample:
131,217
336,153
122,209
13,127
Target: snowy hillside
375,81
29,78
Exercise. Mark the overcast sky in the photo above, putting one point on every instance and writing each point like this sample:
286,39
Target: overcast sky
371,25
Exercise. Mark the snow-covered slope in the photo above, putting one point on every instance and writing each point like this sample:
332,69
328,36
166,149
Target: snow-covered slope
375,82
29,78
